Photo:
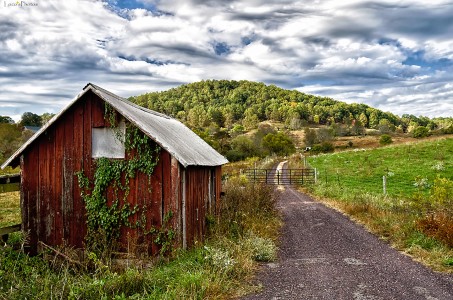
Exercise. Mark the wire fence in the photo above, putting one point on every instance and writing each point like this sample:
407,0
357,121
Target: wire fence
375,183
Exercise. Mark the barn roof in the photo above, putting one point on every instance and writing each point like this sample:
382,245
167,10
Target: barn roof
181,142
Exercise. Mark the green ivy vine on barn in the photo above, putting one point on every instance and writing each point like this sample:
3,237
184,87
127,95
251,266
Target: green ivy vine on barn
116,173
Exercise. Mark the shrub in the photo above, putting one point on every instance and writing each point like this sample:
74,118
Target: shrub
242,147
420,132
385,139
448,130
262,249
439,222
325,147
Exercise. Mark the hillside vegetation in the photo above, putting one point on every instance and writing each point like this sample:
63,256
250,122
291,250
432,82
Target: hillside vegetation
227,103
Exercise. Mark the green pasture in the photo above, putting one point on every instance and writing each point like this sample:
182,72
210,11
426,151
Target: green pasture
408,168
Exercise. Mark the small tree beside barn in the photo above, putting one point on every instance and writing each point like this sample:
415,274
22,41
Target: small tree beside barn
105,167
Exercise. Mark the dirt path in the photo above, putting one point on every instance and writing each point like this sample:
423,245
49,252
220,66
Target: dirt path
324,255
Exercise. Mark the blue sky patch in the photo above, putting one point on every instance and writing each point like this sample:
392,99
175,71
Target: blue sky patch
221,48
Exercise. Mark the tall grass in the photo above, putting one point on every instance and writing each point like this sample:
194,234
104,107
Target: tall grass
416,214
241,236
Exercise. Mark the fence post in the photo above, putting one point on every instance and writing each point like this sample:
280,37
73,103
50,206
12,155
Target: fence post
384,184
278,177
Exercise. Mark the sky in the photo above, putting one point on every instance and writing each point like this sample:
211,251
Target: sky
396,56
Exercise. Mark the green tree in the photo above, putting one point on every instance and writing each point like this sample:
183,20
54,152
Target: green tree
10,139
241,148
216,116
357,128
279,143
373,120
6,119
31,119
385,126
45,117
251,120
363,119
197,117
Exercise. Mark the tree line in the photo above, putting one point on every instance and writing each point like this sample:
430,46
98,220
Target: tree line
13,135
226,103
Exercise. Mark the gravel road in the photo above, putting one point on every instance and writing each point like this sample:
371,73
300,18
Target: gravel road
324,255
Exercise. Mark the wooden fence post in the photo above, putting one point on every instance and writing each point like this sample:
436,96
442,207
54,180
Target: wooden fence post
384,184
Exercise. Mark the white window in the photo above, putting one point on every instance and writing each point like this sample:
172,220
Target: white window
108,142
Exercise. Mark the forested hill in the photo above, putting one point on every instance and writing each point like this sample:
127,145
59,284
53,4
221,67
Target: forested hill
228,102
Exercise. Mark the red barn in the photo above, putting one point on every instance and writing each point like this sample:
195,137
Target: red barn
186,180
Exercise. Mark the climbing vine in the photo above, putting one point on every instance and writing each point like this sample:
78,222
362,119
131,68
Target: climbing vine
116,174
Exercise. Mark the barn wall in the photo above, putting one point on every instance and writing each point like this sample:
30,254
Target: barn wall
52,209
203,186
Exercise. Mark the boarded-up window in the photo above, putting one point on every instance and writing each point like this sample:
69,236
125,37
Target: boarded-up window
106,142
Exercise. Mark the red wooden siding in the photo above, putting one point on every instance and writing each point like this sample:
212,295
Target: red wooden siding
199,198
53,210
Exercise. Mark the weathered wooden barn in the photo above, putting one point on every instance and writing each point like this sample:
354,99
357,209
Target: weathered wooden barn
186,180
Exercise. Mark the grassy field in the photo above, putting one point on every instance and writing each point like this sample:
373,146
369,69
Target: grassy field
416,214
409,168
9,209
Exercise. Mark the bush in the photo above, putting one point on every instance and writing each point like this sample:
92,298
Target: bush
325,147
262,249
439,222
242,147
448,130
279,143
385,139
420,132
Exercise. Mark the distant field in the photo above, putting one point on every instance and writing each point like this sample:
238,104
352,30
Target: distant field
408,167
9,209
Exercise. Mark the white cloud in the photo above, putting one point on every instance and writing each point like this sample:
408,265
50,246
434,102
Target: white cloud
354,50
